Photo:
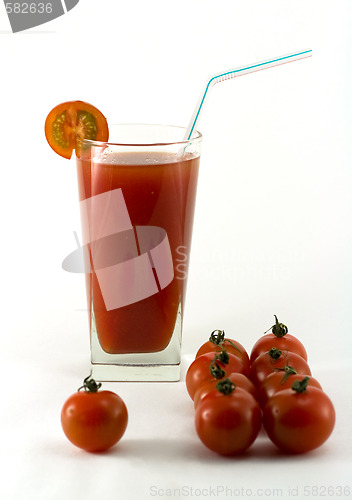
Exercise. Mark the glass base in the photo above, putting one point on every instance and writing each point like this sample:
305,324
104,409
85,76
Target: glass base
135,373
161,366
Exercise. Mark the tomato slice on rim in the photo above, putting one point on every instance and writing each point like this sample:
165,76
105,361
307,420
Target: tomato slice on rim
70,122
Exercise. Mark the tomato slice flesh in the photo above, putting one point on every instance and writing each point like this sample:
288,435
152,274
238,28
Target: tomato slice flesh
68,123
62,132
86,125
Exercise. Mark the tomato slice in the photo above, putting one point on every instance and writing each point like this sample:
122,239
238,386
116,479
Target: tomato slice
70,122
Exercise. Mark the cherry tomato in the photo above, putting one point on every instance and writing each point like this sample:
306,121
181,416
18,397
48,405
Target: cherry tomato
228,423
209,366
299,420
280,339
279,381
70,122
94,420
238,379
217,342
276,360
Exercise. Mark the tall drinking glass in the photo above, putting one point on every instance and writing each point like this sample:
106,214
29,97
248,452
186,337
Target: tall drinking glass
137,196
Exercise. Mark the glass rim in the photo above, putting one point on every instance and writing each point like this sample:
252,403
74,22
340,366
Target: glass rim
196,137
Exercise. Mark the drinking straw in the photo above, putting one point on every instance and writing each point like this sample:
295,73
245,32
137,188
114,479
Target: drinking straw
245,70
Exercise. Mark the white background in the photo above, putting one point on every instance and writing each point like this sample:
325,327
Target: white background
272,230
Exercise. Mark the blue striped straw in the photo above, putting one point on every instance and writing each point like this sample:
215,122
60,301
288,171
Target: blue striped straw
245,70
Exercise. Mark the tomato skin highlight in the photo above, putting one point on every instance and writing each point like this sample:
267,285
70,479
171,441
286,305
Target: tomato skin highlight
238,379
71,121
286,343
264,365
240,352
199,372
94,421
299,422
228,424
277,382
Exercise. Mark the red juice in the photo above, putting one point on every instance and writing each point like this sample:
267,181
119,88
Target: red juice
157,192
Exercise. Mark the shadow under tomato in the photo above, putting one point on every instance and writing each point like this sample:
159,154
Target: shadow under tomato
193,450
190,450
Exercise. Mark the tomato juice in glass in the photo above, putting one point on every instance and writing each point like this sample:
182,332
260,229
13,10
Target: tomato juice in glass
137,204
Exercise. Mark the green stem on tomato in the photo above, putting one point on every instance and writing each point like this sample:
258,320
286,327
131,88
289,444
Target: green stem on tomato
279,329
274,353
300,386
223,356
90,385
215,370
214,367
289,370
226,386
217,337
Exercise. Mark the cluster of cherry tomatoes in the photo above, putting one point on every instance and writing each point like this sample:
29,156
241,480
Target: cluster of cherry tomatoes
235,395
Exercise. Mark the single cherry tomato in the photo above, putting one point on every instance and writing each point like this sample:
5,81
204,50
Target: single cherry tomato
300,419
94,420
209,366
279,381
280,339
238,379
276,360
217,342
228,422
70,122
